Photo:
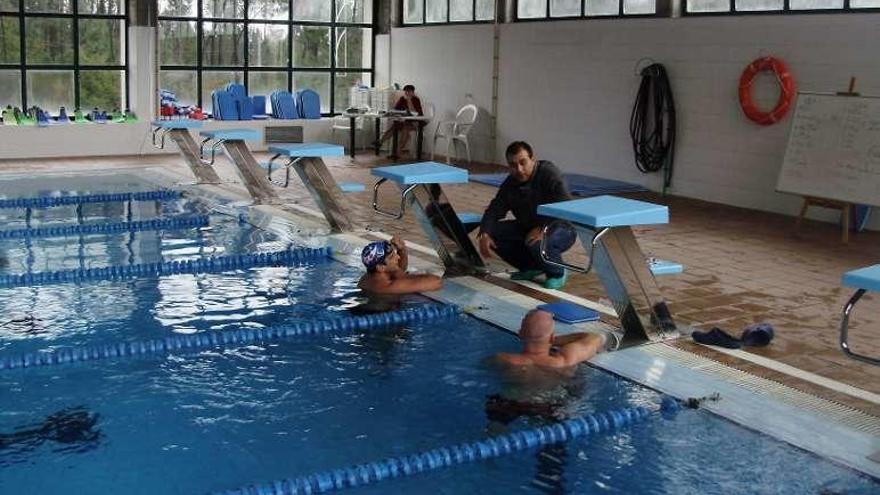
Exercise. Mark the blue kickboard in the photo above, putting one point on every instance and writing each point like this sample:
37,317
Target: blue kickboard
578,184
867,278
468,218
568,312
232,134
665,267
606,211
177,124
225,107
348,187
308,150
423,173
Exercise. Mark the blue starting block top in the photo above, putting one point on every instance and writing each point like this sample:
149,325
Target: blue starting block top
178,124
423,173
232,134
307,150
867,278
606,211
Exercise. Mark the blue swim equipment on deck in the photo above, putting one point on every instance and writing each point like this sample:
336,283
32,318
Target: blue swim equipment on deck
293,257
44,202
398,467
183,222
219,338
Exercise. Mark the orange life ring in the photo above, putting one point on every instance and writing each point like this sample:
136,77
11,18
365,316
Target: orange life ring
786,94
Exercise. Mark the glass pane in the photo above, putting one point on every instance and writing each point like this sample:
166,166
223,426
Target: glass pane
354,11
752,5
177,42
101,42
354,47
10,88
182,83
435,10
863,4
565,8
104,89
264,83
223,9
223,43
267,45
602,7
531,9
10,46
815,4
461,10
311,46
214,80
8,6
344,82
50,89
311,10
102,7
708,5
49,41
412,12
57,6
178,8
639,6
485,10
319,81
275,10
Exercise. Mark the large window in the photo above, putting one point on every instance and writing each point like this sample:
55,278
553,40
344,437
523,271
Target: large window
63,53
325,45
561,9
765,6
447,11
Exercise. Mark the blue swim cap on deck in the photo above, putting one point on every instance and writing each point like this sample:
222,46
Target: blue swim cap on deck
374,254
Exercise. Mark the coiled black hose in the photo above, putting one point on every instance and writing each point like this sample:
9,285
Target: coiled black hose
652,124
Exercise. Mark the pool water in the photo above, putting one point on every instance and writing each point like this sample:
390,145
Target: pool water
200,422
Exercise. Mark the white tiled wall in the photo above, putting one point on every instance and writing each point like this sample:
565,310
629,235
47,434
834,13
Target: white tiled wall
568,88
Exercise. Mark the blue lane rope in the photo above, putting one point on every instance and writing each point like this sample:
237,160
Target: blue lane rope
182,222
220,338
291,257
45,202
397,467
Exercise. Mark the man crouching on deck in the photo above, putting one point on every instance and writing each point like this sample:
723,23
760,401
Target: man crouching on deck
541,348
386,263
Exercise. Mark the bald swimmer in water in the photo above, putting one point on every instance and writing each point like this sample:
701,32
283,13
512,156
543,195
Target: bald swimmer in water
542,348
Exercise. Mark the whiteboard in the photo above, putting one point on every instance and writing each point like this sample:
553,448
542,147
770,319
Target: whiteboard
833,149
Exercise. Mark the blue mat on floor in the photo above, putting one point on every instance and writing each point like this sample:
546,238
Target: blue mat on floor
579,185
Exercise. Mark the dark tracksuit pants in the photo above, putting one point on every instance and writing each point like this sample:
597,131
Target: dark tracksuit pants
510,244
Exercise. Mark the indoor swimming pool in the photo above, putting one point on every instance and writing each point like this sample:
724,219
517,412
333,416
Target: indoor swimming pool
217,418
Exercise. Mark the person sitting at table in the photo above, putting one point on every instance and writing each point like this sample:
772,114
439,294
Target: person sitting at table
412,104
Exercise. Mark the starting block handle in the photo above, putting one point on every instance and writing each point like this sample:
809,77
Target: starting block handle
844,331
402,210
161,143
593,243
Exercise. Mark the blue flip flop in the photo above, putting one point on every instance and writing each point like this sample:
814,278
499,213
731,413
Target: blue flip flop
759,334
717,337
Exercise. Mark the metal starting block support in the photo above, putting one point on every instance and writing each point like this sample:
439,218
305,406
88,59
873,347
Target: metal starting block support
420,189
179,132
307,160
233,141
603,226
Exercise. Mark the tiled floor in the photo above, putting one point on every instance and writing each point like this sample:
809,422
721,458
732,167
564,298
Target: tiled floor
741,266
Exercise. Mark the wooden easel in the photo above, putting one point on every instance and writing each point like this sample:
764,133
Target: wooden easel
844,207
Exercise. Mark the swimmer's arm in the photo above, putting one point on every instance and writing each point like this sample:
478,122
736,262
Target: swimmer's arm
561,340
413,283
581,349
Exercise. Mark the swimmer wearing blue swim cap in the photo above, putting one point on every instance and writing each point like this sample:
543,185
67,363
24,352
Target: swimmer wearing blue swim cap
386,263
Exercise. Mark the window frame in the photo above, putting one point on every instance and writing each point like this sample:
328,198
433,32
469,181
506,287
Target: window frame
404,24
23,66
583,15
199,68
785,10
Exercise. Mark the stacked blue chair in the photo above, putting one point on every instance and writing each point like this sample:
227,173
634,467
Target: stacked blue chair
309,103
283,105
